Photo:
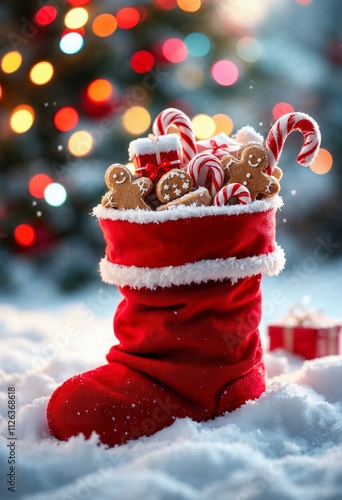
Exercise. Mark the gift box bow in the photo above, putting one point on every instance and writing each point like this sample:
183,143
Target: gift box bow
163,165
219,145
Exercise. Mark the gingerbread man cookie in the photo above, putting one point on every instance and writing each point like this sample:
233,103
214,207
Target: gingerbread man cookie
248,170
125,194
174,184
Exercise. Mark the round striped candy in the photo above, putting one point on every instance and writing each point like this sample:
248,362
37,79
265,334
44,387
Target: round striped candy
206,171
175,117
282,128
230,190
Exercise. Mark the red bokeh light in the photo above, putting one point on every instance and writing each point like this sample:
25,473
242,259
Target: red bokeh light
46,15
167,4
127,18
174,50
282,108
24,235
66,119
81,31
78,3
142,61
38,184
225,72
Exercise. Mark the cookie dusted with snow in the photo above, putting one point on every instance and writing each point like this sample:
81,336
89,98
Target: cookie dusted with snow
232,194
280,131
173,185
248,170
198,198
206,171
125,194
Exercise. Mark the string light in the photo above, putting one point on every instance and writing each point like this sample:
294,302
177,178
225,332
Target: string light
167,4
322,163
46,15
24,235
100,90
71,43
225,72
223,123
66,119
136,120
204,126
41,73
189,5
248,49
38,184
55,194
11,62
104,25
142,61
22,118
198,44
80,143
281,109
174,50
127,18
76,18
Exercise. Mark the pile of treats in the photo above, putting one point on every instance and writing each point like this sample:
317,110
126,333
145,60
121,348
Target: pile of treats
172,168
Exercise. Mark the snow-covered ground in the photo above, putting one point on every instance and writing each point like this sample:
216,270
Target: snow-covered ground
286,445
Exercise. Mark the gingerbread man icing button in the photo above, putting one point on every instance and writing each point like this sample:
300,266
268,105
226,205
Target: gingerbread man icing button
125,194
173,185
248,170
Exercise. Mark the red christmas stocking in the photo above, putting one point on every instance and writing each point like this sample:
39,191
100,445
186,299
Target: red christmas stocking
188,324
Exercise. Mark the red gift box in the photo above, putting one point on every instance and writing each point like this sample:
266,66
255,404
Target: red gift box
220,145
153,156
309,335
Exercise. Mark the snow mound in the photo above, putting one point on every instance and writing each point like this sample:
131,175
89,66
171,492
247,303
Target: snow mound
286,445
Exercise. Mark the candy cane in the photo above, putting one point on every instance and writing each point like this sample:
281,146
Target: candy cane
282,128
172,116
206,170
230,190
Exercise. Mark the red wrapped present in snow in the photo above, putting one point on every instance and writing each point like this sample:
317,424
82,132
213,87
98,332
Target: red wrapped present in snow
154,156
220,145
308,334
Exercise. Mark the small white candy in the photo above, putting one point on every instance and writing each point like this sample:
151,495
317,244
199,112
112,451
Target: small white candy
245,183
248,175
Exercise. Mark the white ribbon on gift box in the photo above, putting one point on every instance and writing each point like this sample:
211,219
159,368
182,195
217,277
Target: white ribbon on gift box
155,140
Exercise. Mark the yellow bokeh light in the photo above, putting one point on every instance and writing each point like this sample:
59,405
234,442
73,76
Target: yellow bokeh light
21,119
11,62
80,143
223,123
131,167
76,18
136,120
189,5
41,73
322,163
204,126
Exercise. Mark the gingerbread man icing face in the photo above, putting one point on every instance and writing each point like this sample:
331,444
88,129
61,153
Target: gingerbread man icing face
125,194
248,170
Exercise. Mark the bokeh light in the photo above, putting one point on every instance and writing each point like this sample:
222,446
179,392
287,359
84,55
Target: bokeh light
24,235
190,76
198,44
66,119
80,143
76,18
11,62
136,120
0,91
99,90
174,50
130,167
167,4
78,3
127,18
189,5
249,49
38,184
55,194
71,43
204,126
322,163
223,123
41,73
280,109
104,25
22,118
46,15
225,72
304,2
142,61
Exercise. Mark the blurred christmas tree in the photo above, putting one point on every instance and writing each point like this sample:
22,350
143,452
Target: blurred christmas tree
81,78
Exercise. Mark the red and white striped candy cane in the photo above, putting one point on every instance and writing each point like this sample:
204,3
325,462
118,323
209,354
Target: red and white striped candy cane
282,128
230,190
172,116
206,171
